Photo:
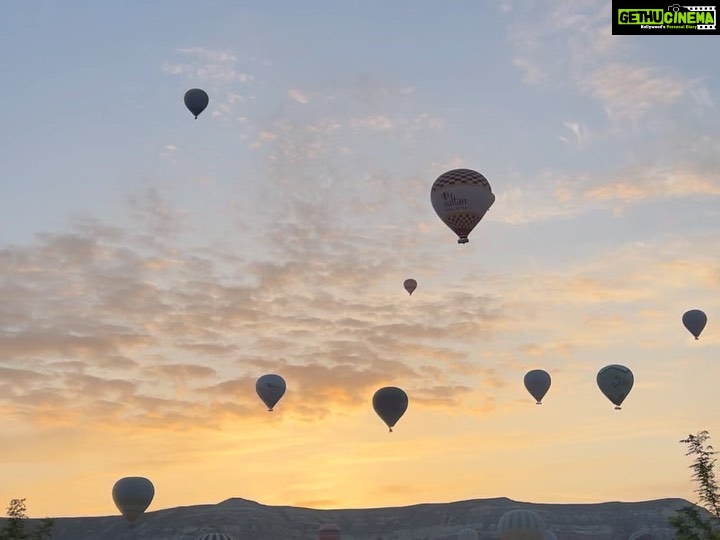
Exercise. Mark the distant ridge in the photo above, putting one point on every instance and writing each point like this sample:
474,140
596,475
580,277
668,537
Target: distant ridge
250,520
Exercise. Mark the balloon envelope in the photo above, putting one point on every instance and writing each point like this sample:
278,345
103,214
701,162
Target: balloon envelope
521,525
615,381
537,382
132,495
695,321
329,531
460,198
644,534
215,536
270,388
196,101
390,403
468,534
410,285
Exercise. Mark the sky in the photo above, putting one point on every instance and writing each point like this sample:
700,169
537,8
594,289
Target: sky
153,266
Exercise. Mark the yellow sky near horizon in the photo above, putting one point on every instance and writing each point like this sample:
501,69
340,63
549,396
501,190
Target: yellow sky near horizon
151,272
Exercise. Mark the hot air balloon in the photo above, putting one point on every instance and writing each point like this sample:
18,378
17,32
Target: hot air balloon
196,101
132,495
390,403
694,320
537,382
215,536
270,388
549,535
461,198
410,285
521,525
329,531
615,382
468,534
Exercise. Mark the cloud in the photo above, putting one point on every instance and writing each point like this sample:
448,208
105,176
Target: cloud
631,92
565,46
225,75
210,65
373,123
556,195
297,95
82,304
577,130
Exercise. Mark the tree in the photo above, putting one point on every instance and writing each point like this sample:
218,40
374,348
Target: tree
15,527
690,522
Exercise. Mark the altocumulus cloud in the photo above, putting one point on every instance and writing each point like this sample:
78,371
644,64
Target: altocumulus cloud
101,323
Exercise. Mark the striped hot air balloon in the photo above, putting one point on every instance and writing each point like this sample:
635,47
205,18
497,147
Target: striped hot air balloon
215,536
521,525
468,534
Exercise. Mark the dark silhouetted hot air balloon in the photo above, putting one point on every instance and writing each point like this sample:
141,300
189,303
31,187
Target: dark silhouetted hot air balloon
537,382
695,321
390,403
615,382
270,388
410,285
196,101
132,495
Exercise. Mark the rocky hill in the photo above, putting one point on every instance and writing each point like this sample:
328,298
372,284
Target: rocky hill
248,520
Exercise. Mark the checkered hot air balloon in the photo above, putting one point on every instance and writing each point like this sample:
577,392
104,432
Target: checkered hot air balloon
461,198
215,536
521,525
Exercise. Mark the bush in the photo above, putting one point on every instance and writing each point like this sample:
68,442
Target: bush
700,521
15,528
